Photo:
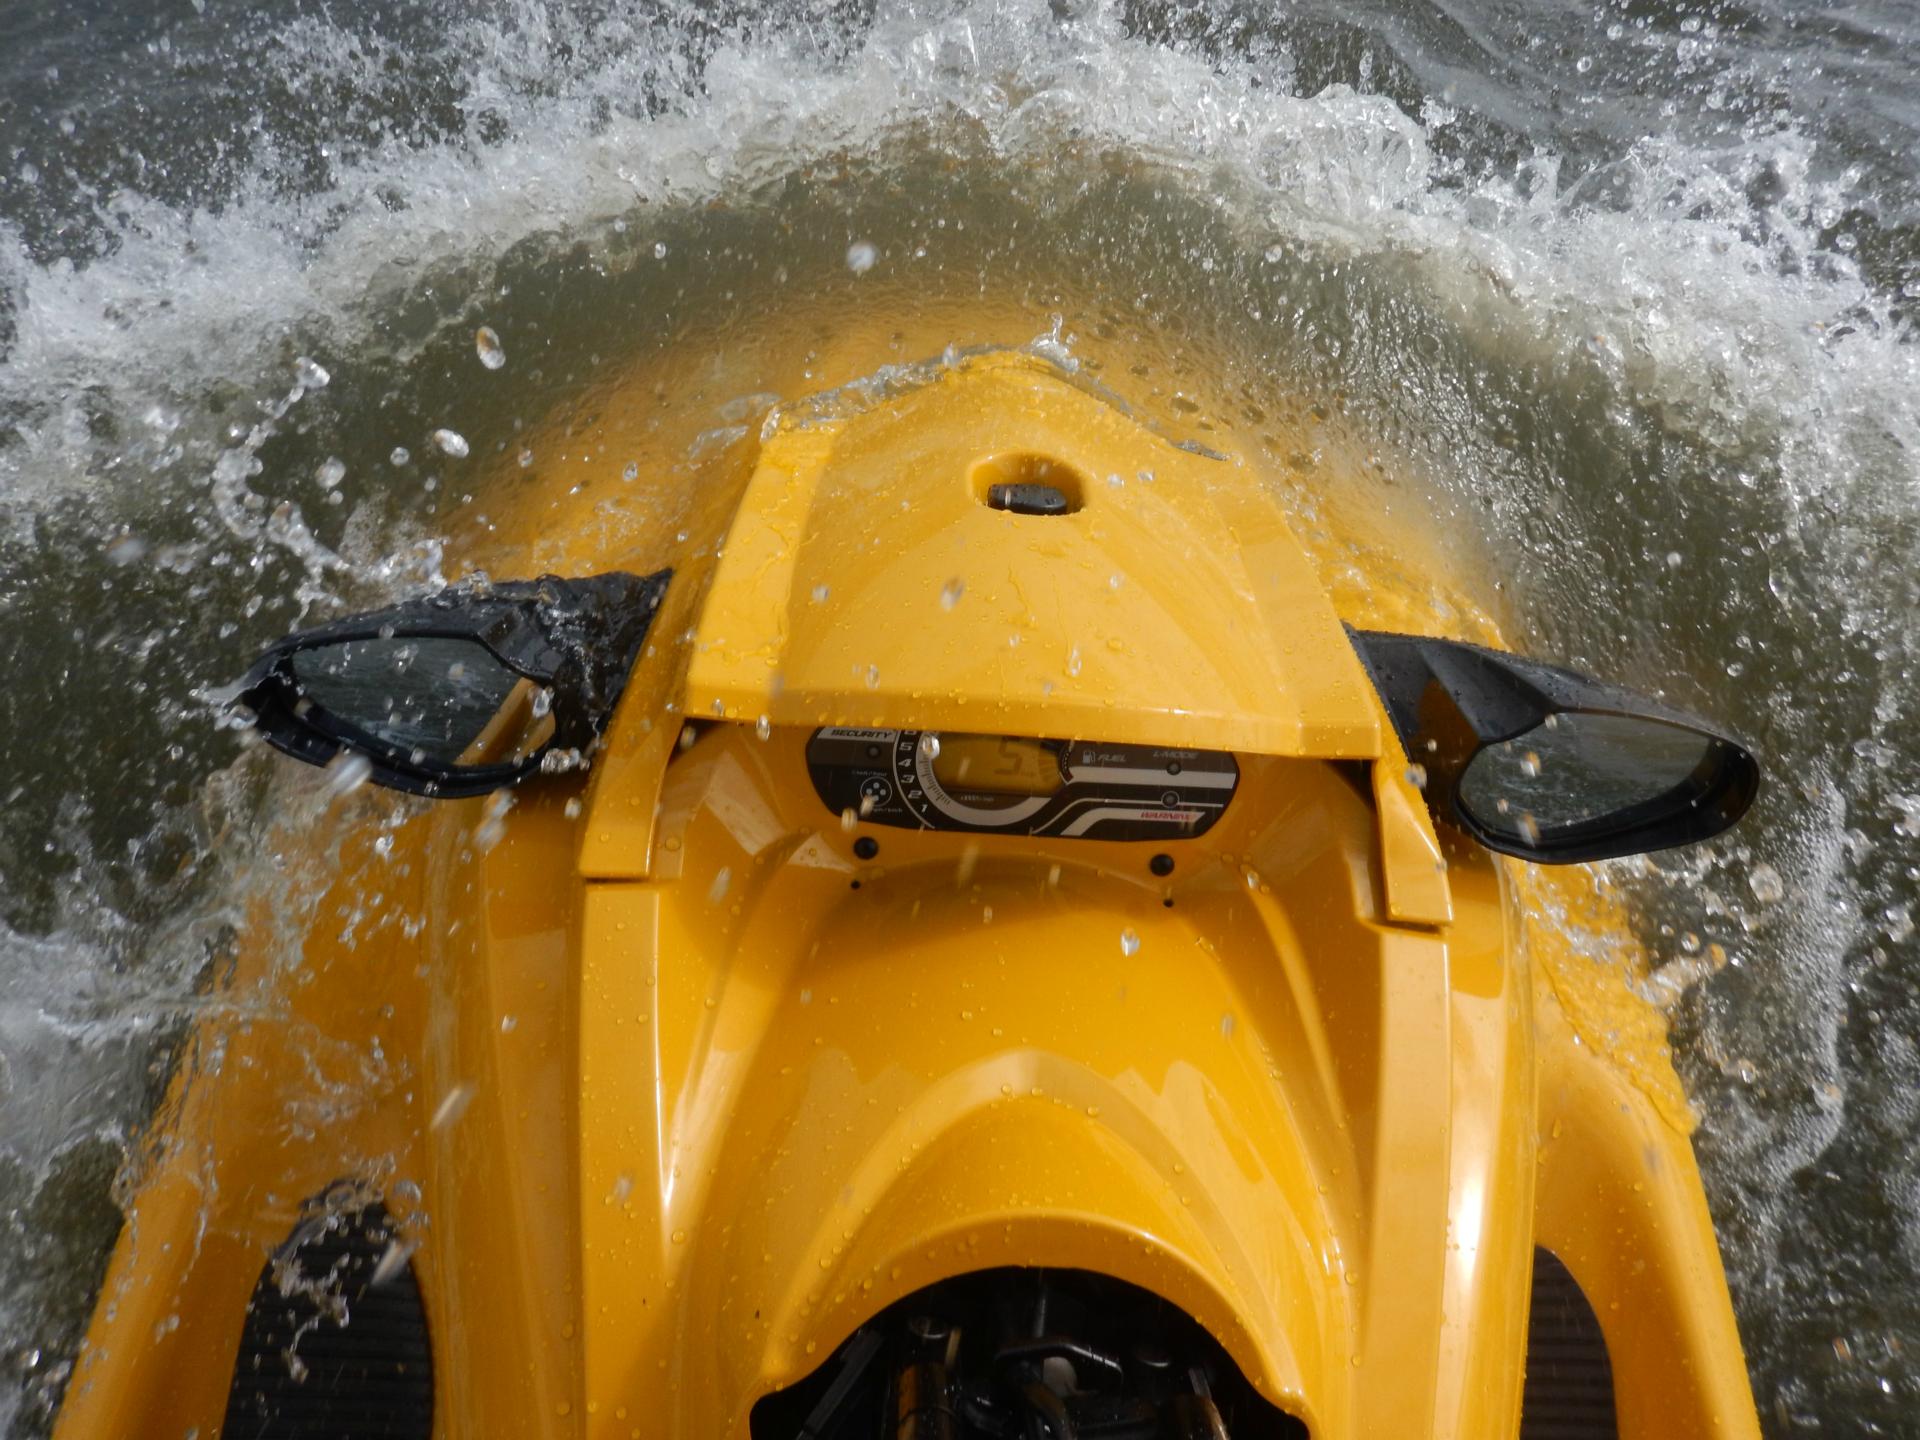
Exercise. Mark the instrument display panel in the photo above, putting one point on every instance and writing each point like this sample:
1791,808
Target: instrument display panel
1020,785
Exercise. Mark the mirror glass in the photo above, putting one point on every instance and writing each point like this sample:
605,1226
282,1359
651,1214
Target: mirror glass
448,699
1576,768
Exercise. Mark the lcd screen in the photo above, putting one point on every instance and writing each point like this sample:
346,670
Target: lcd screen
997,764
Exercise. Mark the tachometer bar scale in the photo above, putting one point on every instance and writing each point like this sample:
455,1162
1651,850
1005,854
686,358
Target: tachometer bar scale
1019,785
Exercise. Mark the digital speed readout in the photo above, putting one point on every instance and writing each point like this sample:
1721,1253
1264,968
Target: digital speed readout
995,764
1020,784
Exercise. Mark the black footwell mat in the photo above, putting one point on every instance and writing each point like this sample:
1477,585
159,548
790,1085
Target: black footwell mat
1569,1394
335,1343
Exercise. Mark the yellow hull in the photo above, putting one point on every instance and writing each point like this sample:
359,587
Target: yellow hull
676,1090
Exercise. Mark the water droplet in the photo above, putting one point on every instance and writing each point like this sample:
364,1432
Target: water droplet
331,472
347,772
849,820
632,472
763,727
717,891
493,822
1530,765
451,442
951,592
873,677
392,1261
1073,660
311,375
1909,808
820,593
929,747
1417,776
1898,922
400,455
861,257
1129,942
1766,884
508,1024
452,1106
486,344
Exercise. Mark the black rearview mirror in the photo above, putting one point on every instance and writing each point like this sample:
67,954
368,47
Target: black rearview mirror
461,692
1551,765
432,694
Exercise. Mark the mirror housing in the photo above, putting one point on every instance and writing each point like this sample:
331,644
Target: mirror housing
576,640
1451,702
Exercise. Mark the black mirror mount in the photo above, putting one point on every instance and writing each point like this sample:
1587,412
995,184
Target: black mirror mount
1547,764
519,672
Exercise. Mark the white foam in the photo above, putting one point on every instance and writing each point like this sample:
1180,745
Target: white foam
1671,282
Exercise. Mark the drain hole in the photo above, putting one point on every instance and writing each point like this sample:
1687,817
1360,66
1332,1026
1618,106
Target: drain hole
1028,484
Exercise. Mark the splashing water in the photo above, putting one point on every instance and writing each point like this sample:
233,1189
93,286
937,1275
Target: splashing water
1621,299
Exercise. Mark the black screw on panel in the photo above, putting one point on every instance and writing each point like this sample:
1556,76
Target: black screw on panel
866,847
1161,864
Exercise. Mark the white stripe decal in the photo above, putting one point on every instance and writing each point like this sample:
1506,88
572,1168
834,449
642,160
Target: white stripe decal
1116,775
1115,812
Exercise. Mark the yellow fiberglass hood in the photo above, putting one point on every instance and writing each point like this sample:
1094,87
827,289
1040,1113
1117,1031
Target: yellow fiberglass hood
1169,603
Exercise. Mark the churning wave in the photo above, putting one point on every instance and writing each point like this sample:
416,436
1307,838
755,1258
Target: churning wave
1664,373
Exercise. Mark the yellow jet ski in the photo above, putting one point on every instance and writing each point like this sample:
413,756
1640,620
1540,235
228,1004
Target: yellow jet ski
962,939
